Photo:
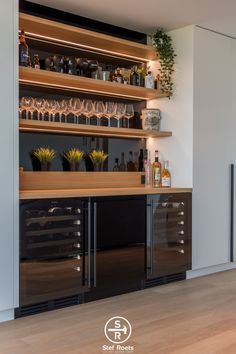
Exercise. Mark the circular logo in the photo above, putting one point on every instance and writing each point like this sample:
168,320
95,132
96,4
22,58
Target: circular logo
118,330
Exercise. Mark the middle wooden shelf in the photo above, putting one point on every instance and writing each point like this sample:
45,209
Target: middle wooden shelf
37,126
66,83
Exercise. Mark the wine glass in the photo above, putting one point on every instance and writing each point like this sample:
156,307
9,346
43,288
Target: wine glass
45,108
99,108
88,110
62,108
22,107
52,109
120,112
77,108
38,103
110,108
129,112
29,106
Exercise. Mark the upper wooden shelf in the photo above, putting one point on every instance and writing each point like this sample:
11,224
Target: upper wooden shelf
47,30
65,82
35,126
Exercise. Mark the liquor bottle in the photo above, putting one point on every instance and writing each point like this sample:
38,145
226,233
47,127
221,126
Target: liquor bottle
130,163
140,161
135,77
136,160
156,172
116,166
147,169
122,166
119,76
157,82
166,176
36,63
23,50
149,80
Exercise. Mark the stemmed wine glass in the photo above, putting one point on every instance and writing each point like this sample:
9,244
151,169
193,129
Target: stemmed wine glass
99,109
62,107
38,104
110,108
129,112
120,112
29,106
88,110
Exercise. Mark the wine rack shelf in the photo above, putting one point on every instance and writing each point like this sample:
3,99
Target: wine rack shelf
65,35
64,82
35,126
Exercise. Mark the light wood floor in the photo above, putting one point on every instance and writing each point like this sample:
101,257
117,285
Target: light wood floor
194,316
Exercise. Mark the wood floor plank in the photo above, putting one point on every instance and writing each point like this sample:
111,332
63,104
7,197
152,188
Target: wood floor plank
196,316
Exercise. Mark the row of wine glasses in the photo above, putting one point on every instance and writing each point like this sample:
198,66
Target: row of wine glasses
71,110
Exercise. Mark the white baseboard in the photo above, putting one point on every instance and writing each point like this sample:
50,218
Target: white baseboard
210,270
7,315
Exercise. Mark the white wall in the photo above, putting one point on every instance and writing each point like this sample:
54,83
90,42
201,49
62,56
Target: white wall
177,113
8,160
214,146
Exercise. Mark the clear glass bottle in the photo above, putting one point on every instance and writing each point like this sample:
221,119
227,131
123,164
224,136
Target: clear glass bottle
130,163
147,169
122,166
149,80
156,172
23,50
166,176
116,166
135,77
36,63
119,76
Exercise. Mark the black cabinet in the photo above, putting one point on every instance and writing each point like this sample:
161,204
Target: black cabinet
118,239
75,250
168,234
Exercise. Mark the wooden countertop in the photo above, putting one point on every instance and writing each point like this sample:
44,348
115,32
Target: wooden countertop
98,192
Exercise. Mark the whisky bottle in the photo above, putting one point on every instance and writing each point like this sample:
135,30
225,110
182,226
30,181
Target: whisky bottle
130,163
166,176
23,50
156,171
147,169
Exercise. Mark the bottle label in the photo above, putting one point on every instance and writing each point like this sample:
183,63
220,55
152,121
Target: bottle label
165,181
157,177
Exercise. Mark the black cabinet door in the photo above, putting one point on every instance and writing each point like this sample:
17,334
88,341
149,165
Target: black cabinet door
169,234
118,245
52,250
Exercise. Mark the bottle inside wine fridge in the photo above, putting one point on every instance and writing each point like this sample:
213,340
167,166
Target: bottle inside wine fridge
116,166
23,50
156,171
140,161
166,176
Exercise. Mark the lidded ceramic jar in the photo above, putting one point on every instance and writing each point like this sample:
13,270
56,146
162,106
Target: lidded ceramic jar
151,118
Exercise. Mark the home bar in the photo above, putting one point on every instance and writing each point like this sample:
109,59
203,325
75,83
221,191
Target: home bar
117,180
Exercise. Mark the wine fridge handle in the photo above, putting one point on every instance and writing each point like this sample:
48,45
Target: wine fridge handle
150,237
95,243
232,213
89,245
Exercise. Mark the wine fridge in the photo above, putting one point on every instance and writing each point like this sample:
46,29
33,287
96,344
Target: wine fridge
53,253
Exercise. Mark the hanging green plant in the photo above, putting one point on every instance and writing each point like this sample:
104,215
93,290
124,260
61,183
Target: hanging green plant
162,42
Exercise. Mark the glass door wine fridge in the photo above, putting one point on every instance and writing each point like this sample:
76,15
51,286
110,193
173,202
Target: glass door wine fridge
53,250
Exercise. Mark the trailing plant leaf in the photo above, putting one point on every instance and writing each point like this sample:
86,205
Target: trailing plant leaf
162,42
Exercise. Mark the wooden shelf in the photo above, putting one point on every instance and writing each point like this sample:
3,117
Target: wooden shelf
35,126
97,192
47,30
65,82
